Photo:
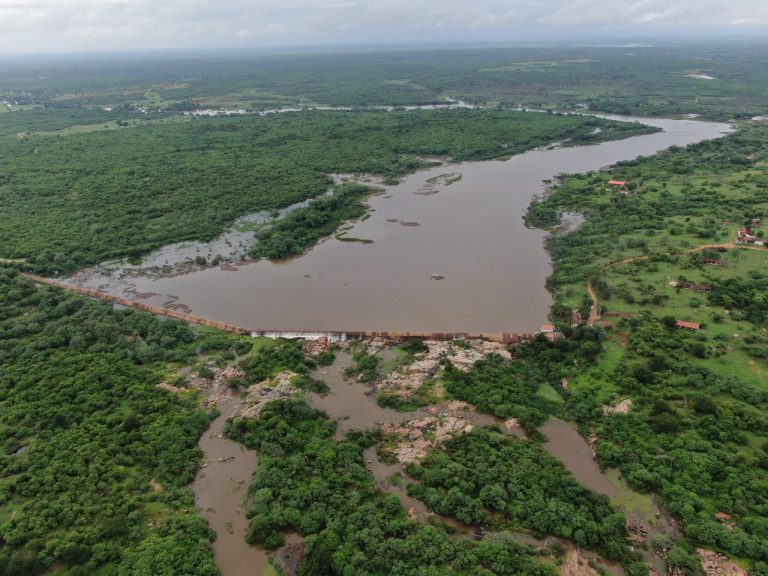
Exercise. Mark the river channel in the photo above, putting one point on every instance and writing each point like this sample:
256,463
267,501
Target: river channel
450,256
222,484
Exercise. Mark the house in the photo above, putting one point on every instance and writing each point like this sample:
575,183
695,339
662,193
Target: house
688,325
744,236
550,332
617,182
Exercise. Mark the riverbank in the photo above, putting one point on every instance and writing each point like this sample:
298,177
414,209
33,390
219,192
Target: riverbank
471,233
408,438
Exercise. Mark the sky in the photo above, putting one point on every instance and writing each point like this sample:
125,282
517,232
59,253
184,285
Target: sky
57,26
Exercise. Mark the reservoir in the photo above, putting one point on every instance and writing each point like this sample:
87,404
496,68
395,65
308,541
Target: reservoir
446,254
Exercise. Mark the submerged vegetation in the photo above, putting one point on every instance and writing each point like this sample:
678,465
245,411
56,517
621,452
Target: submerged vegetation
303,228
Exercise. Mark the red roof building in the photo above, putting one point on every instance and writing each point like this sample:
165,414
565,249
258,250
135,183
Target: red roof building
688,325
617,182
547,328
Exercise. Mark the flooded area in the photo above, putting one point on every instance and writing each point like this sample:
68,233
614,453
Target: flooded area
220,489
568,446
458,258
353,405
646,517
222,483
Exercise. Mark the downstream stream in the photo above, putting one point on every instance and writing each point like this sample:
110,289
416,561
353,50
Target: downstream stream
446,254
220,490
222,484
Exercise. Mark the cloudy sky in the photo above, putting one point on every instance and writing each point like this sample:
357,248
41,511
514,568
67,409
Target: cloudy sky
91,25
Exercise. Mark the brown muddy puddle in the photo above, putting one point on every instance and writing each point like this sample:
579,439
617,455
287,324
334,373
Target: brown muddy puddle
568,446
470,235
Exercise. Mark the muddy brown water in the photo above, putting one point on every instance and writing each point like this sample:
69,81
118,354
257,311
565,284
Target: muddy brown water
568,446
470,232
220,489
221,485
353,405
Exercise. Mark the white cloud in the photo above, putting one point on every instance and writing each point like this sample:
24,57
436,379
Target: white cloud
69,25
701,14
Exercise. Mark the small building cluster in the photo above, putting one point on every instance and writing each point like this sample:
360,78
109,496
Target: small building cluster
748,236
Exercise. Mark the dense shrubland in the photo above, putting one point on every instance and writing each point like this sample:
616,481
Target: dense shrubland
85,434
309,483
646,80
79,199
485,476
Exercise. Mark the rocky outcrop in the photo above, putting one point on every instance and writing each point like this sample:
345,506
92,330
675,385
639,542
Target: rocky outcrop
414,438
405,380
222,384
261,394
313,348
622,407
718,564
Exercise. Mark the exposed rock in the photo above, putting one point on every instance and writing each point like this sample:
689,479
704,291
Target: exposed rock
718,564
592,442
174,389
405,380
622,407
314,348
221,384
511,424
261,394
576,565
416,437
375,345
